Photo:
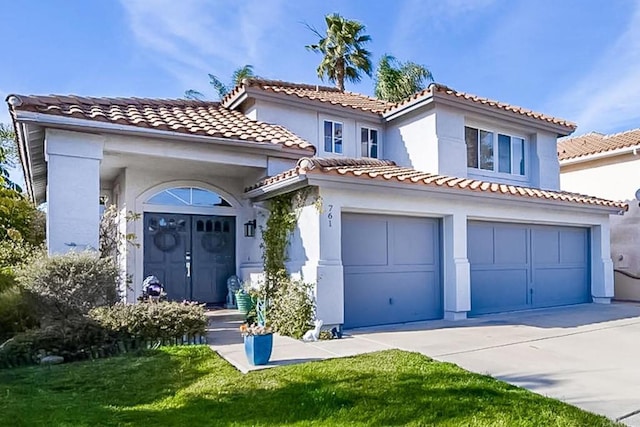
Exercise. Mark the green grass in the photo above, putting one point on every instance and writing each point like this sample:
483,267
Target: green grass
192,386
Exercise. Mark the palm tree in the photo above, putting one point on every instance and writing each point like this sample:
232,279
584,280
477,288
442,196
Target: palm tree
396,80
238,75
344,57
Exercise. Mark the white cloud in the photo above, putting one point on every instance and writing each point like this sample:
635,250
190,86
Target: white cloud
607,98
190,38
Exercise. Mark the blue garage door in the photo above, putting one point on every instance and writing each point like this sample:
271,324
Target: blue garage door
391,269
515,266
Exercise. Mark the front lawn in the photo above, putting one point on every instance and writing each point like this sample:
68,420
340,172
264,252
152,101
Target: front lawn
192,386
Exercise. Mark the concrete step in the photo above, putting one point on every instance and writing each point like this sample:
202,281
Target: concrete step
225,315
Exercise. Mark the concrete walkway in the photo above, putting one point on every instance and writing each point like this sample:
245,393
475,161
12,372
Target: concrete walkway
224,338
586,355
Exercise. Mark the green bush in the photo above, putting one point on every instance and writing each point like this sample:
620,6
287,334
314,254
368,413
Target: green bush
76,339
162,322
292,309
16,315
66,286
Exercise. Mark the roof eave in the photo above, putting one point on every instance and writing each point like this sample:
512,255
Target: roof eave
72,123
511,116
343,182
280,187
635,149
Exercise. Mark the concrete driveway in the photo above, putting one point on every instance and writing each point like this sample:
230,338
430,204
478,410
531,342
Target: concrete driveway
587,355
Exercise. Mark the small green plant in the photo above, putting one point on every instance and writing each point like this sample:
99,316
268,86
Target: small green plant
293,308
67,286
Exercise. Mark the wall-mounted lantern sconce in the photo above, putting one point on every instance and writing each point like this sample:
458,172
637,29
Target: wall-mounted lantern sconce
250,228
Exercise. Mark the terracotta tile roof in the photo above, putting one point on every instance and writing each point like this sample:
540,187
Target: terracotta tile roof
324,94
388,171
594,143
436,88
173,115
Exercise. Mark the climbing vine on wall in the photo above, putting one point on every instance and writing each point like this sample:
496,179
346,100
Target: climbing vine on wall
275,237
290,305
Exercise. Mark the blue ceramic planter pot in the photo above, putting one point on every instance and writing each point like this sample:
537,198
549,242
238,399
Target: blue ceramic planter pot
258,348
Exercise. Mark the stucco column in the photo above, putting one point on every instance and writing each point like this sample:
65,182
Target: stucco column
73,190
601,264
457,278
330,277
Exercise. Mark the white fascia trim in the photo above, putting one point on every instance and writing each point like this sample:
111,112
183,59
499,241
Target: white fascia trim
407,108
315,105
498,113
90,125
342,182
635,149
280,187
454,193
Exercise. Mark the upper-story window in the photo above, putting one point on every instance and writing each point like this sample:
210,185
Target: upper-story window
495,151
369,142
332,137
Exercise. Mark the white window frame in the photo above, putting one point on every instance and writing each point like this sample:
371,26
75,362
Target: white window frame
333,137
378,143
496,155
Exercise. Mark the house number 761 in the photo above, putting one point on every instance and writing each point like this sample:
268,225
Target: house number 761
330,214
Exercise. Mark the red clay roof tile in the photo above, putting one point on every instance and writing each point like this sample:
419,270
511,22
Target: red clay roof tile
594,143
389,171
174,115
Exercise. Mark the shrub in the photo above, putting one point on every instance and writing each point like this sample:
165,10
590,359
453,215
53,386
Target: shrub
16,315
292,309
162,322
76,339
65,286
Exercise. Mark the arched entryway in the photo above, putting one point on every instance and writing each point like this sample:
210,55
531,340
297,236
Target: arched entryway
189,242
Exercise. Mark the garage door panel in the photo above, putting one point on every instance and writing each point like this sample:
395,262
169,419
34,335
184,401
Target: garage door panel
364,241
408,287
411,230
376,299
481,251
559,286
545,246
498,290
573,244
512,247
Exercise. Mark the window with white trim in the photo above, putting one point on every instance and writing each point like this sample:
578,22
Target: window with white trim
369,142
332,137
494,151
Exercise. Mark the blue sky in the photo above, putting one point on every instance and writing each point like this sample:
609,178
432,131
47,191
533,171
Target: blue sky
576,59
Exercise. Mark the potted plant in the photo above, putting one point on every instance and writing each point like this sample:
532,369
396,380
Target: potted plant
258,343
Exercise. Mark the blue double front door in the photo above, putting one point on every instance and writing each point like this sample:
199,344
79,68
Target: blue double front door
192,255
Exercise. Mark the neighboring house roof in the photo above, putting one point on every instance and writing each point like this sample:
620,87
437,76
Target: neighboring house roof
173,115
596,143
436,89
321,94
386,170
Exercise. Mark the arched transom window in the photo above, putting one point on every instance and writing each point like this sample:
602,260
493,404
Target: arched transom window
187,196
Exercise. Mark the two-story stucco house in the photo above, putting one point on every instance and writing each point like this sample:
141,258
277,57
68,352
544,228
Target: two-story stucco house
444,205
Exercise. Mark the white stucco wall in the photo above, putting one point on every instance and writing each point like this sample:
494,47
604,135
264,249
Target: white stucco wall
614,178
73,190
411,141
308,124
431,139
